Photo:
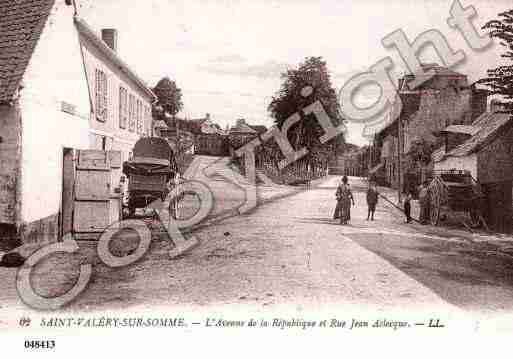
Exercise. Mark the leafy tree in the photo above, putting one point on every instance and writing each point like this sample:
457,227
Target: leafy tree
500,79
288,100
169,96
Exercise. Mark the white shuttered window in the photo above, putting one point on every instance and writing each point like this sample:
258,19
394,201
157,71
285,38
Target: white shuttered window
123,107
132,113
101,95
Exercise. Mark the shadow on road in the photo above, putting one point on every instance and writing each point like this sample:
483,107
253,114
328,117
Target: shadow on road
468,275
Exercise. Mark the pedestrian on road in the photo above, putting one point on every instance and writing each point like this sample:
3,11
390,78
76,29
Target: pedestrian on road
424,203
344,200
372,200
407,207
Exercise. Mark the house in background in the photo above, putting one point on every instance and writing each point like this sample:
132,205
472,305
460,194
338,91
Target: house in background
61,87
241,133
355,162
209,139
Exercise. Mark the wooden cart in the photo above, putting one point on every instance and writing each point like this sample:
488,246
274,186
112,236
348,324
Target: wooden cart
149,172
456,191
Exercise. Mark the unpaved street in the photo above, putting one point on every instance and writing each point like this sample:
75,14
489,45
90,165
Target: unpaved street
290,252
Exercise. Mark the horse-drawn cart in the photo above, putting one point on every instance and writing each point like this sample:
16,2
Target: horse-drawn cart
456,191
149,172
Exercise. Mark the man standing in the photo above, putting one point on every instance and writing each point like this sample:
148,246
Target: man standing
407,207
372,200
424,203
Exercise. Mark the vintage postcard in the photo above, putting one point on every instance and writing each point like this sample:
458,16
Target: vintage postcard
180,174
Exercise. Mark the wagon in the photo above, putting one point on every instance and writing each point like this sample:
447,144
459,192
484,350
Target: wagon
456,191
149,172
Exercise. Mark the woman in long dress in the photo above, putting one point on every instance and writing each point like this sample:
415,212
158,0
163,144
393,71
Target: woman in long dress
344,201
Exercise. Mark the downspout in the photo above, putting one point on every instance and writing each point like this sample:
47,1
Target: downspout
91,104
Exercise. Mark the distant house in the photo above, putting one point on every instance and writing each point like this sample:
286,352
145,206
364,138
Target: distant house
61,87
355,162
260,129
209,139
485,149
241,133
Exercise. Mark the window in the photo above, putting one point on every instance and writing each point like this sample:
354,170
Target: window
131,113
123,107
101,95
139,117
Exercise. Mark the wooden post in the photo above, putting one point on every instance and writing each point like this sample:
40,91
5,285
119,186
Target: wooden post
399,153
68,183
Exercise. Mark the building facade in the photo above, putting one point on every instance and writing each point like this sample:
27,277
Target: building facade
51,100
415,126
240,134
487,153
121,102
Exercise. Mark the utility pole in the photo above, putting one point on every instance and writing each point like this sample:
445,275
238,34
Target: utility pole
369,159
399,159
177,174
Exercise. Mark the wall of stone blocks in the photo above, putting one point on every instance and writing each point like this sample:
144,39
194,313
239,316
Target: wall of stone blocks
10,161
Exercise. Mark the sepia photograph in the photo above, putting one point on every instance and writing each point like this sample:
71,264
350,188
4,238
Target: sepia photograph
272,169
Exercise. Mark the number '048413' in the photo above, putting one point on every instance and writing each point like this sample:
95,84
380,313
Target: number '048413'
39,344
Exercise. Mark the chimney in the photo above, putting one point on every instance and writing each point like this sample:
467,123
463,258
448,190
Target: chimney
110,37
207,117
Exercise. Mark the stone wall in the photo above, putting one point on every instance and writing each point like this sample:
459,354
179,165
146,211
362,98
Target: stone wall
10,162
44,230
438,109
495,161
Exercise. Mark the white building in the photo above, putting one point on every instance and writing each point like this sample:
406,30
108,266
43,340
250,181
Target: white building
60,87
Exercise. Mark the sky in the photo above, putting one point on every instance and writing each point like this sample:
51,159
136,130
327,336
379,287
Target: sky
227,55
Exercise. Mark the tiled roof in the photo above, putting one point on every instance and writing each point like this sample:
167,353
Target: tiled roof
21,25
439,70
259,128
491,125
242,127
464,129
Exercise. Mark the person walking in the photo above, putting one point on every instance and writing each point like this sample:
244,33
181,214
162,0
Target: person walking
407,207
344,200
372,201
424,203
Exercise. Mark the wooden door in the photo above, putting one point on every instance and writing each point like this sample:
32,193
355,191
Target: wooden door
95,204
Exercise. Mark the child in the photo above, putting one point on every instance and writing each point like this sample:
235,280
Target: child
372,200
407,207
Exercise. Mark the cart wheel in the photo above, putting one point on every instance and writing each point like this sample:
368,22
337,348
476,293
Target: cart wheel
475,218
434,208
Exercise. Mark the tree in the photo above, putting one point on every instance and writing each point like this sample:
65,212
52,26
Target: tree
500,79
289,100
169,96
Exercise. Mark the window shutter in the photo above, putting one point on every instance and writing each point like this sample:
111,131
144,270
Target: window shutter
105,97
97,92
101,95
131,113
123,107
